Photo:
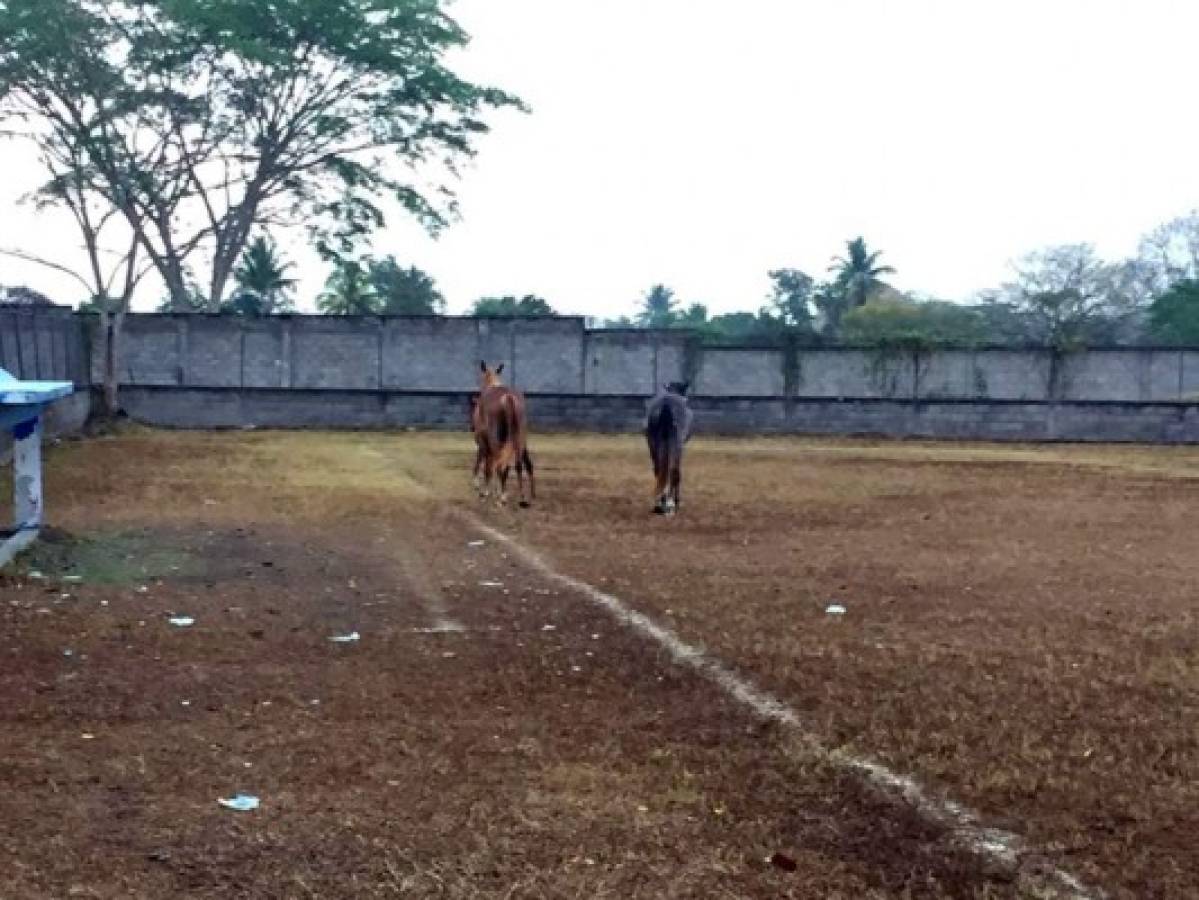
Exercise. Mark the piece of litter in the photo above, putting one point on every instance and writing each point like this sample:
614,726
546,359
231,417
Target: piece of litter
143,589
490,584
104,603
68,653
33,573
87,737
185,703
576,668
477,544
241,803
835,609
449,654
346,638
72,578
549,627
182,621
783,861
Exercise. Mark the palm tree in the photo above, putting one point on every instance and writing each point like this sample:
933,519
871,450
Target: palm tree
858,271
349,292
262,283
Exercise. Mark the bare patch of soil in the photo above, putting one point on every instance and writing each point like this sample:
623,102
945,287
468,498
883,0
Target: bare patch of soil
1020,634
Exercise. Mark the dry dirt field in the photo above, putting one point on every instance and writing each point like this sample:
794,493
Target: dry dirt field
1020,637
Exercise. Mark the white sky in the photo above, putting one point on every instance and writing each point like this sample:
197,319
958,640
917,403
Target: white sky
700,143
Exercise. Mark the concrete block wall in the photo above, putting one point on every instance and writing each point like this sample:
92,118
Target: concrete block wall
741,373
559,356
629,361
39,343
301,371
349,353
42,343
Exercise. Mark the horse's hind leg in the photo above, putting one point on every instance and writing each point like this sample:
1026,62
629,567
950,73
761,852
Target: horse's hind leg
521,458
505,471
478,465
676,480
661,475
528,461
488,471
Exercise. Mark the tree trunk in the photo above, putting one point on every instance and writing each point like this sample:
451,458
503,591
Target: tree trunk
111,327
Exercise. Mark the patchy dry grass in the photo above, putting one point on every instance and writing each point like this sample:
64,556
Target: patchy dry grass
1022,634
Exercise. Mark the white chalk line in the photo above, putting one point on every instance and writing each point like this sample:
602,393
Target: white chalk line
1038,879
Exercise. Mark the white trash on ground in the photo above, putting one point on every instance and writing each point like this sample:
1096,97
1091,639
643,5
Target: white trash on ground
835,609
346,638
241,803
182,621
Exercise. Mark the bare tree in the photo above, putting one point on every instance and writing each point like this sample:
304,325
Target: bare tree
1171,252
111,275
1064,292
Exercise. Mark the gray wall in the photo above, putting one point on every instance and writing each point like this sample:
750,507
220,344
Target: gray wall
195,370
39,343
560,356
42,343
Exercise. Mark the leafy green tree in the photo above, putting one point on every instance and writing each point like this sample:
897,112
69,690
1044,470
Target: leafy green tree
404,292
1174,316
893,322
193,301
349,292
749,327
695,319
528,305
831,299
791,297
263,286
659,308
19,295
197,121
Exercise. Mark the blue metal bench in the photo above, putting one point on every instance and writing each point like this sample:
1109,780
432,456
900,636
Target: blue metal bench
21,406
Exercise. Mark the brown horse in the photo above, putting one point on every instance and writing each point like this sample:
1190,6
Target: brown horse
500,425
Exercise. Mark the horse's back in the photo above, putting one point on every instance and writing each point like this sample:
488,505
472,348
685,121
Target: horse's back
668,417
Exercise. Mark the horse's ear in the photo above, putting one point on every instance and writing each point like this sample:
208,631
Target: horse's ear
683,388
499,369
482,365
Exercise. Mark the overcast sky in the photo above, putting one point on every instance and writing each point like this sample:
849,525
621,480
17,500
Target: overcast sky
700,143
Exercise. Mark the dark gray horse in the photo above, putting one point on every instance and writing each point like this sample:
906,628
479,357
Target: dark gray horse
667,429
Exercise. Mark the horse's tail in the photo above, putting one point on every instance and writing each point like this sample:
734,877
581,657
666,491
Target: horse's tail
509,432
503,428
661,432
